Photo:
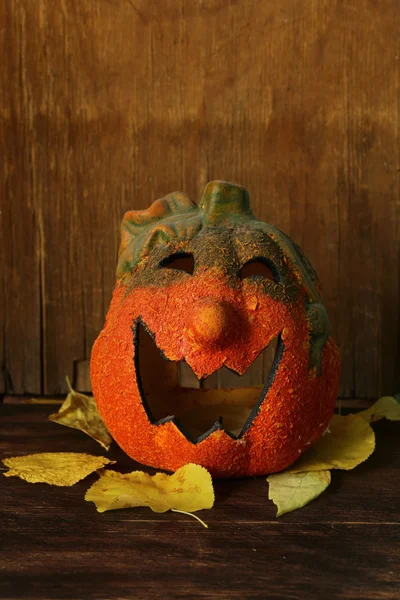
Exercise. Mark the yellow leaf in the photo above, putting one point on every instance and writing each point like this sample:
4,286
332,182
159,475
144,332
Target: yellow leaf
55,468
347,442
386,407
290,491
187,490
80,412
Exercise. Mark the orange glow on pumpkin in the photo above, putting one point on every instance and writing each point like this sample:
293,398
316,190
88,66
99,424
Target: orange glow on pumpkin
210,316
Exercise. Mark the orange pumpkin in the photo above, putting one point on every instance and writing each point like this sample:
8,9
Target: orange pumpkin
211,287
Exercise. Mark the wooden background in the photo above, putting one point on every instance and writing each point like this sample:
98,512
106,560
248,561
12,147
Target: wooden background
107,105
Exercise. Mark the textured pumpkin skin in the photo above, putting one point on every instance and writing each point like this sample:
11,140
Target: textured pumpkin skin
301,399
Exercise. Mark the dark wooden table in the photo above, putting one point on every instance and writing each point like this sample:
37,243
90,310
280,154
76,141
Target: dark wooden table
53,544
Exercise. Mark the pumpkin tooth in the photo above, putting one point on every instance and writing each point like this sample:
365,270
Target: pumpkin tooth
170,391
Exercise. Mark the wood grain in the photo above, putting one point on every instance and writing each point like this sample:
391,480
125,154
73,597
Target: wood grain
106,106
81,380
21,226
345,544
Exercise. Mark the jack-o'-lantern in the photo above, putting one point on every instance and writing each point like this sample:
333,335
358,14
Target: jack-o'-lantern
205,292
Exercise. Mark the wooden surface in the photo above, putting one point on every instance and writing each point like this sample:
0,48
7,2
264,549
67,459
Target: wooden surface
345,544
106,106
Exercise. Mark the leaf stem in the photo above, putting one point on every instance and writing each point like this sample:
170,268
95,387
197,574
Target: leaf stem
69,384
189,514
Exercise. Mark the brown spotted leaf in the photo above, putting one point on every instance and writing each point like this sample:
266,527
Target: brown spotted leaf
188,490
80,412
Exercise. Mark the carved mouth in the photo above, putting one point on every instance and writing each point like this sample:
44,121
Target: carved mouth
170,391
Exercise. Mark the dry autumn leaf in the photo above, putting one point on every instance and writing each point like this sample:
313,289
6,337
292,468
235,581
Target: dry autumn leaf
54,468
386,407
290,491
188,490
347,442
80,412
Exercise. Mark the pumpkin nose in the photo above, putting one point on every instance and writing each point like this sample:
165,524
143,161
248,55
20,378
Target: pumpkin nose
211,322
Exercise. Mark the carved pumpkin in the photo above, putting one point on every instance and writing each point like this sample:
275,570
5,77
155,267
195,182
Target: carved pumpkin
206,288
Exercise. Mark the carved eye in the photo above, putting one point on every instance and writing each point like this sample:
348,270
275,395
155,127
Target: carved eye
258,268
180,261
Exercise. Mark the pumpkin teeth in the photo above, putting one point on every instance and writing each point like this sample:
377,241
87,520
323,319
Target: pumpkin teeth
171,392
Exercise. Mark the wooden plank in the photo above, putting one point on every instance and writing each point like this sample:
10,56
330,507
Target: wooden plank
18,400
20,224
371,210
296,100
342,403
277,557
54,139
82,381
49,533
